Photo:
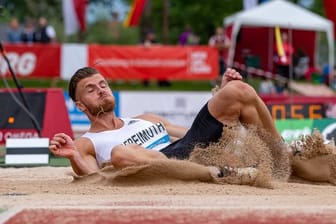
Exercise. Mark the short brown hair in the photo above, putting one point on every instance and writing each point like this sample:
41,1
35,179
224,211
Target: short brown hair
80,74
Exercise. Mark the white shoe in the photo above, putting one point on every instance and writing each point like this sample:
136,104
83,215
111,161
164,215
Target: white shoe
238,175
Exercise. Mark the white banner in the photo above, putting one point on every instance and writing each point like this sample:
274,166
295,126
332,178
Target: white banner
178,107
73,57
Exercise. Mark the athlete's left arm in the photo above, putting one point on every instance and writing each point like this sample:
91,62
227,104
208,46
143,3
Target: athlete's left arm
174,131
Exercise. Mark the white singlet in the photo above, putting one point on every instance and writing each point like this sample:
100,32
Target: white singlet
134,131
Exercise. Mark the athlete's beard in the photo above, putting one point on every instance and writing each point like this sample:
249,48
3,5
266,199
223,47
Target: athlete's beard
104,107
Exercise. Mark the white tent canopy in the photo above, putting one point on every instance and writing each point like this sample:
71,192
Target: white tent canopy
285,15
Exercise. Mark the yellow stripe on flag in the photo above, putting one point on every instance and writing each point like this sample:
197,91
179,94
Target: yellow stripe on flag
279,45
130,14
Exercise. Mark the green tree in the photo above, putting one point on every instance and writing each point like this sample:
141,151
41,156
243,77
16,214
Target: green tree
202,16
32,8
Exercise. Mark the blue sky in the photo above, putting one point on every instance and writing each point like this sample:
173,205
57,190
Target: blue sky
97,11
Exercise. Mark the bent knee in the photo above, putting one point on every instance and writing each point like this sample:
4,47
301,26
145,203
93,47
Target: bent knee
240,88
236,91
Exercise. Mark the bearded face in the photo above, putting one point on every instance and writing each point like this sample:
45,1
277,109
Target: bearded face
104,104
94,96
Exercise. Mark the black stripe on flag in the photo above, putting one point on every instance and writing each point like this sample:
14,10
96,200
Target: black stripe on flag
20,151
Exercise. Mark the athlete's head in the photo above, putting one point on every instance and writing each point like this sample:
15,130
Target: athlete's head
80,74
90,91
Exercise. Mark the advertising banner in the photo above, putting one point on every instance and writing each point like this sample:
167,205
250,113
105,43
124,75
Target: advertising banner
36,60
44,116
292,129
155,62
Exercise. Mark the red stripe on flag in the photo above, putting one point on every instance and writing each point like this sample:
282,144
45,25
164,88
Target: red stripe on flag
138,7
80,8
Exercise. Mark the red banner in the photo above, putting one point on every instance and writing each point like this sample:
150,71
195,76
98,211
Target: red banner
35,60
140,62
116,62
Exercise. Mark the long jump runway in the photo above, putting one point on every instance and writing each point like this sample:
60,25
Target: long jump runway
166,214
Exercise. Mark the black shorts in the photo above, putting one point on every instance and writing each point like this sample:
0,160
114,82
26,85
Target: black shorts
204,130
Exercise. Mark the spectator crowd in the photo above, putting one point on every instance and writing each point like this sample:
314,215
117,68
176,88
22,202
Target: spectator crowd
31,32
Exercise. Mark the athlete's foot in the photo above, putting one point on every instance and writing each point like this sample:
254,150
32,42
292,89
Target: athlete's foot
215,171
232,175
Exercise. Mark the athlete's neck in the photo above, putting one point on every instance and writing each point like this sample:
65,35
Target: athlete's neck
106,121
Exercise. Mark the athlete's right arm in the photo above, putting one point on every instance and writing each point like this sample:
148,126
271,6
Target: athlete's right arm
79,152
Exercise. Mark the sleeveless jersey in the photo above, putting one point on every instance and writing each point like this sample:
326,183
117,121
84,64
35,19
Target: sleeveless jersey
134,131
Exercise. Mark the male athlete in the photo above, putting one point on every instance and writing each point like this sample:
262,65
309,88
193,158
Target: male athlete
133,141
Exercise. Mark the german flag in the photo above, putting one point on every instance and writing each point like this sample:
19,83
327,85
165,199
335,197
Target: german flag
135,13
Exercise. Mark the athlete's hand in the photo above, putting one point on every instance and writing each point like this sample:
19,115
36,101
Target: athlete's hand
229,75
62,145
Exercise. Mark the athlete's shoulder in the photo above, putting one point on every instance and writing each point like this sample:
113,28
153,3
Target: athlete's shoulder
154,118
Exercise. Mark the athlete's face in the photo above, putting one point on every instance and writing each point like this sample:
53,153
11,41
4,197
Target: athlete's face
94,95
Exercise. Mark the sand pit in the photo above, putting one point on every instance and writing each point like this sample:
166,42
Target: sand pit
52,186
48,194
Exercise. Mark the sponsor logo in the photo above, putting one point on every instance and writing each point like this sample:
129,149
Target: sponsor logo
16,133
329,132
198,63
23,64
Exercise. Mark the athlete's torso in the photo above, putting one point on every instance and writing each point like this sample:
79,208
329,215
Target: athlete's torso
134,131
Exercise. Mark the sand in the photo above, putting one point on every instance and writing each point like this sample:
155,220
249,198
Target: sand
53,186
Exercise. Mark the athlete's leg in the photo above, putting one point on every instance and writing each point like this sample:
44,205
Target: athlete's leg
237,102
123,156
130,155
